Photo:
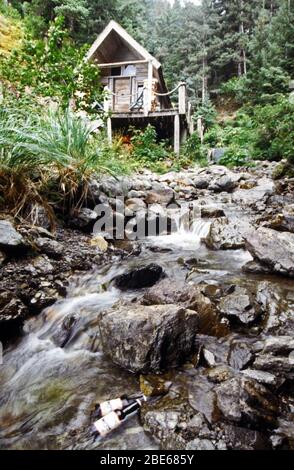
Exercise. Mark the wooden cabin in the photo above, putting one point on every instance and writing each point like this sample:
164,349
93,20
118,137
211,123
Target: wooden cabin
136,90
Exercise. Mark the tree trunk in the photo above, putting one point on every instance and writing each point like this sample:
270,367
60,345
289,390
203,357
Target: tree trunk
204,79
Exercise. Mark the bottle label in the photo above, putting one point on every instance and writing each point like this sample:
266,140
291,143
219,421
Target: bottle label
110,405
107,424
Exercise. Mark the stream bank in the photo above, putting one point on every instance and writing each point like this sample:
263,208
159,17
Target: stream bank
216,317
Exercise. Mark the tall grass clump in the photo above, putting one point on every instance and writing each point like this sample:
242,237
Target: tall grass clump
46,159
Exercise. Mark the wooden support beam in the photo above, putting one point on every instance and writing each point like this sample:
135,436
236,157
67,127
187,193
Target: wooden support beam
109,130
182,98
177,134
150,82
119,64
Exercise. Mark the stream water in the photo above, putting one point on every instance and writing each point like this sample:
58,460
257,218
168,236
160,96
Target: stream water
48,392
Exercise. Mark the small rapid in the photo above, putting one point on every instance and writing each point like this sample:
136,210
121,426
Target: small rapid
55,372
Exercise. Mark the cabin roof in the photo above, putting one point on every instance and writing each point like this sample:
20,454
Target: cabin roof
114,29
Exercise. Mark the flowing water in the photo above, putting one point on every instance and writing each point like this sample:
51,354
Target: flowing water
48,392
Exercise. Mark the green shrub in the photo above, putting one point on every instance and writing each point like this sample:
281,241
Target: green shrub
145,145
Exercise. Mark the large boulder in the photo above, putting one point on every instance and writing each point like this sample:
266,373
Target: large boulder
255,196
139,278
224,235
10,239
146,339
273,249
224,183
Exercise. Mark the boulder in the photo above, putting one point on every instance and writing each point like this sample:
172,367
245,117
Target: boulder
139,278
148,339
224,235
201,182
84,219
253,197
224,183
134,205
10,239
273,249
50,247
240,306
212,212
160,194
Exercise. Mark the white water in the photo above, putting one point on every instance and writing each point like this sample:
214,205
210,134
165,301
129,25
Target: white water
184,238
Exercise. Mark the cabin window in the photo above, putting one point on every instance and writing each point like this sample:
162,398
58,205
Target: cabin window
129,71
116,71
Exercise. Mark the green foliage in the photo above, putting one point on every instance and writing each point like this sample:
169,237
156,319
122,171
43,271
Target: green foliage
208,113
145,146
275,131
55,68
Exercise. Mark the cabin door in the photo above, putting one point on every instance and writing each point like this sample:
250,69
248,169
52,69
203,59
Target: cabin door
122,90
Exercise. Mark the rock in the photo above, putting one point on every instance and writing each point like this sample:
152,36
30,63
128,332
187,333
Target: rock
66,330
262,377
224,235
280,365
277,306
160,195
255,196
272,248
180,422
240,355
2,258
84,219
114,187
187,296
212,212
283,222
139,278
238,438
12,308
200,444
10,239
242,400
224,183
99,242
240,306
278,345
201,182
39,265
148,339
254,267
50,247
134,205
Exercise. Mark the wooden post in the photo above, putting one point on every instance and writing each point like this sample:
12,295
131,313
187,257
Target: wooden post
182,98
177,134
150,80
145,101
109,130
